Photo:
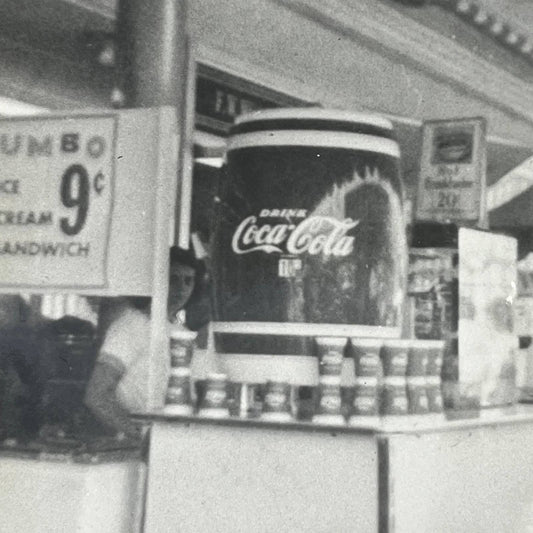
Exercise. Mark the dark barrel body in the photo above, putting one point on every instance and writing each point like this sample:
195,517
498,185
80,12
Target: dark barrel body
309,231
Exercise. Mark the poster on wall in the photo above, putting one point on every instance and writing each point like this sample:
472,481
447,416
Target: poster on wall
452,180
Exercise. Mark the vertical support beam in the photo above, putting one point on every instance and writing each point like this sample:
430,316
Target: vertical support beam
385,486
155,67
152,56
186,163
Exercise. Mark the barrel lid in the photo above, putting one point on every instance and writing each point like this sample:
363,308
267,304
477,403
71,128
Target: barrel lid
316,127
315,113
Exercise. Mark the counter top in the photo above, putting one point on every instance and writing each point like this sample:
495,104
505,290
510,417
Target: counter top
410,424
86,452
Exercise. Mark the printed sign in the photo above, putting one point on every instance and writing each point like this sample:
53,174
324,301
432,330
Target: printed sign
452,180
487,290
312,235
56,200
220,97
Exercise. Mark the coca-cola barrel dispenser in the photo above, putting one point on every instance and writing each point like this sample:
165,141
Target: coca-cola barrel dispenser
310,234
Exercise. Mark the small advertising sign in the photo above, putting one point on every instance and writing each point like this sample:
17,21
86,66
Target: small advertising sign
56,200
83,199
452,181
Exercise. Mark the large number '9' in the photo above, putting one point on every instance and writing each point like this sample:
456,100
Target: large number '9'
75,193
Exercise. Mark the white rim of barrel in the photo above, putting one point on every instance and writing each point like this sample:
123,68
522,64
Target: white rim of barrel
318,113
305,329
331,137
322,139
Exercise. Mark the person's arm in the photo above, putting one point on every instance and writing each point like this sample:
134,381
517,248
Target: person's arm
101,398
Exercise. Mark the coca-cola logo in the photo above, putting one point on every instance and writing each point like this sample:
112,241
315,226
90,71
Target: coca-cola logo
312,235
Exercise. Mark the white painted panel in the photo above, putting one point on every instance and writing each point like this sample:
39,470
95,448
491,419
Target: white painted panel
477,480
226,479
52,497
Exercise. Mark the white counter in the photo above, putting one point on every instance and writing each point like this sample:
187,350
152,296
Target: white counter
472,475
55,493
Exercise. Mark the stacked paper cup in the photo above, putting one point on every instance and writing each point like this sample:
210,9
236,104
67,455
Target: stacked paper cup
276,403
330,352
214,401
394,356
435,352
368,374
416,378
178,398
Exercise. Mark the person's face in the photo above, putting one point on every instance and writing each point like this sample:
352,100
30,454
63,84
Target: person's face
181,285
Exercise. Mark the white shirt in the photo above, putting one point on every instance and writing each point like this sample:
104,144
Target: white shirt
127,348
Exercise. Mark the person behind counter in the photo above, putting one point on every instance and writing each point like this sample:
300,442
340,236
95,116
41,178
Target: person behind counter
20,383
22,376
117,385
